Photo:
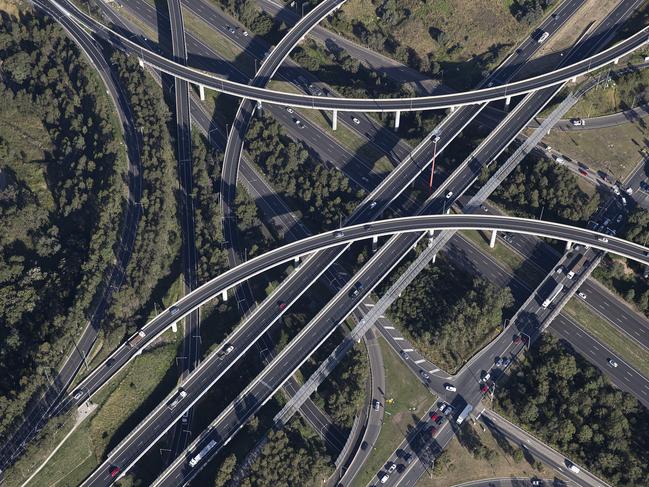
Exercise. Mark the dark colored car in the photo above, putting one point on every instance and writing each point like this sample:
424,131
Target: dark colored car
281,305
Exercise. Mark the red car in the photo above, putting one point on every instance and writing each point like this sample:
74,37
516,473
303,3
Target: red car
583,172
484,389
114,470
433,431
434,416
281,305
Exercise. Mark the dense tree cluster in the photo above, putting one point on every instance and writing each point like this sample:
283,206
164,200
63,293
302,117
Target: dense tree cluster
345,73
212,258
291,457
448,327
61,215
344,389
323,194
529,11
158,239
541,184
569,404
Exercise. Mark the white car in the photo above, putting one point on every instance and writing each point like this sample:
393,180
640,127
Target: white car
373,204
577,122
449,195
245,33
581,295
560,160
356,121
289,110
612,363
450,388
392,467
603,239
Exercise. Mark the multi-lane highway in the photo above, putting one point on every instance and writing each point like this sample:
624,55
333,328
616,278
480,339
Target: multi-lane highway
482,95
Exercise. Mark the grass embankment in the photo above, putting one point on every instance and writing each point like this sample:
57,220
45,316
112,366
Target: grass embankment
409,400
482,25
464,466
121,406
614,150
626,348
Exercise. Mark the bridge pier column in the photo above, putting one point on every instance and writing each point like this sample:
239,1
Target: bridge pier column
617,60
492,242
174,327
434,259
334,120
375,243
397,118
140,62
573,79
568,244
453,109
296,260
508,100
224,295
201,90
259,106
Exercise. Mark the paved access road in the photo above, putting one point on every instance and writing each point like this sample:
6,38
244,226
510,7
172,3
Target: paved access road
482,95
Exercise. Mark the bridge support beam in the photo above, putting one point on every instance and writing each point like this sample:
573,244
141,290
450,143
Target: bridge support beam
508,100
201,90
174,327
259,106
568,244
617,60
453,109
140,62
375,243
573,79
224,295
492,242
397,118
296,260
334,120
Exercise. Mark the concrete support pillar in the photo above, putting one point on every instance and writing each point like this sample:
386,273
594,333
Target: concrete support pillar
224,295
434,258
574,79
617,60
174,327
431,233
375,243
568,244
397,119
492,242
334,120
453,109
141,62
508,100
296,260
201,90
258,104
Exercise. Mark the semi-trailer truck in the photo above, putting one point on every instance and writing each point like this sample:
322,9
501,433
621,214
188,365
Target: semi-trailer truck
555,292
136,339
576,268
201,454
464,414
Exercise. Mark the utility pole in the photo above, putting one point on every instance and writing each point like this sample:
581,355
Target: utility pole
432,165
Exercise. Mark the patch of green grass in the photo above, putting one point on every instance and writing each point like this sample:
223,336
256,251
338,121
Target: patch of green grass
465,467
622,345
614,150
121,406
410,399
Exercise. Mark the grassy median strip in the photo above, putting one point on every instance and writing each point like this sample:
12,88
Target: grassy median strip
510,260
622,345
405,400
